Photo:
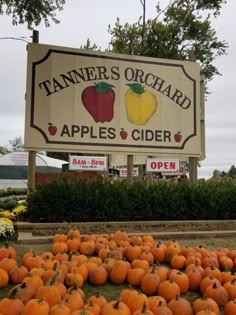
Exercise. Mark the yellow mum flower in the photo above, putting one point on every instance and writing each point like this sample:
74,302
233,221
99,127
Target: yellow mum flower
19,210
7,214
6,220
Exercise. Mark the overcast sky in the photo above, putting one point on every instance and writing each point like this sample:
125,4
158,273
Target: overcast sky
90,19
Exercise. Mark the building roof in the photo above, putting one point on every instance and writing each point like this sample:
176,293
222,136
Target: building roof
21,159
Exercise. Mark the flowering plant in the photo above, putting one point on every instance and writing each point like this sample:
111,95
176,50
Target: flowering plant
7,214
6,228
20,209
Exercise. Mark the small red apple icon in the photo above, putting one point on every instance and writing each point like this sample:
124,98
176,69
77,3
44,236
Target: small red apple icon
123,133
52,129
99,101
178,136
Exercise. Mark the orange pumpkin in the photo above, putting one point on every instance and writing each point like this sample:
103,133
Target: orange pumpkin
59,247
180,306
205,282
118,272
150,283
143,311
159,253
136,300
132,252
8,263
49,292
115,308
9,306
59,238
217,293
82,270
98,299
73,300
206,312
140,263
59,309
162,310
230,287
17,274
154,301
168,289
182,280
230,308
195,278
87,248
6,251
135,276
36,307
203,303
98,275
4,278
24,292
34,280
74,278
178,261
94,308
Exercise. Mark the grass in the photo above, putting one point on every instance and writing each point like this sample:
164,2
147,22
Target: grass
109,290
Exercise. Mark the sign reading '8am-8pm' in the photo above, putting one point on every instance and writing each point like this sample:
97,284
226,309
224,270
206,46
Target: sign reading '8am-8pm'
83,101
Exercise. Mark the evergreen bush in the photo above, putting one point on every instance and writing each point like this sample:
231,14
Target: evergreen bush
71,200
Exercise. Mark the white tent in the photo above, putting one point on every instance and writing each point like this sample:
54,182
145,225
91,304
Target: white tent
21,159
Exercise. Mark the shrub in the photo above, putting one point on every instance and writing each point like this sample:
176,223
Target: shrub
71,200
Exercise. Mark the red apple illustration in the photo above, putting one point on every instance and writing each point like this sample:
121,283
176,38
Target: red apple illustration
178,136
123,133
52,129
99,101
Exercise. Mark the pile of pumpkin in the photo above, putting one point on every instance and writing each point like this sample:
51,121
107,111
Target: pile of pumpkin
157,275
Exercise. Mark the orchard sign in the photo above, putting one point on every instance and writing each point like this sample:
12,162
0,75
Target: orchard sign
83,101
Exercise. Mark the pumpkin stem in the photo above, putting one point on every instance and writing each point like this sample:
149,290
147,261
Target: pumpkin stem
54,267
144,309
13,289
116,305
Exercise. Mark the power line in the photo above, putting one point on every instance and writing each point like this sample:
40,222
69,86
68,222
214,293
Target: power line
16,38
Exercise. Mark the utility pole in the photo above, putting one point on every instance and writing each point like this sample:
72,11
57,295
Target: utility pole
143,2
32,154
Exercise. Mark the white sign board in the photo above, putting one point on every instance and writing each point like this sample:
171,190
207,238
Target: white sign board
123,172
19,159
162,165
180,172
83,101
87,163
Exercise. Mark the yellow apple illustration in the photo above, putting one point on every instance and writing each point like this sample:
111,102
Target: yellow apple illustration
140,104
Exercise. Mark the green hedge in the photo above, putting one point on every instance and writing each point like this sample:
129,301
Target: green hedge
81,201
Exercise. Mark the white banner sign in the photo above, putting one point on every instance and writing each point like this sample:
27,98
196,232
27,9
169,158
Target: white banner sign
123,172
162,165
87,163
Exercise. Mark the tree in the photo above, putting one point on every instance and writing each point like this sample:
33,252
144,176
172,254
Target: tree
182,27
31,12
232,172
16,144
3,150
216,173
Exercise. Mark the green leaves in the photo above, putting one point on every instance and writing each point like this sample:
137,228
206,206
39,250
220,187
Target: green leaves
103,87
181,27
31,12
136,88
